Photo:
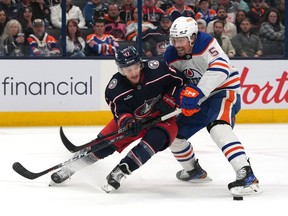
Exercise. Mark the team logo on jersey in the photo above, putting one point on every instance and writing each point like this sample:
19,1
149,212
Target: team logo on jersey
146,108
112,83
193,75
153,64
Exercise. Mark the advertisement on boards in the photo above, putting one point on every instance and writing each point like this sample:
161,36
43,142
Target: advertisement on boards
264,83
50,85
79,85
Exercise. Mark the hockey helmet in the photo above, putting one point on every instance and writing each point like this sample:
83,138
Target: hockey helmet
127,57
183,27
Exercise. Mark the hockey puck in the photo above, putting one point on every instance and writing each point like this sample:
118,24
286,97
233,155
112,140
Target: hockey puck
237,197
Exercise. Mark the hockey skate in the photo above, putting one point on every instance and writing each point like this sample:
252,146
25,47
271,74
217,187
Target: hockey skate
67,171
114,178
246,183
195,175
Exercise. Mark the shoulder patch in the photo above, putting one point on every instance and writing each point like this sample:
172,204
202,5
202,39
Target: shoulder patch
153,64
113,83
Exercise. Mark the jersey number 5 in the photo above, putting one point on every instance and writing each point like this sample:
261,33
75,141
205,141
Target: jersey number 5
213,51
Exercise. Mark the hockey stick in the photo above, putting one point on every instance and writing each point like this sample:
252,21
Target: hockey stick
72,148
21,170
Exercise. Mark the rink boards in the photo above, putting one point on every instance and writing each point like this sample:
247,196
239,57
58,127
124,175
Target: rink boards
66,92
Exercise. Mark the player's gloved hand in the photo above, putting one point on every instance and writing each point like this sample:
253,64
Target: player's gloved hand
189,98
133,127
165,105
189,112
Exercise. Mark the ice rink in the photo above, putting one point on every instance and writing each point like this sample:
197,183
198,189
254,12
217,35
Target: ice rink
153,187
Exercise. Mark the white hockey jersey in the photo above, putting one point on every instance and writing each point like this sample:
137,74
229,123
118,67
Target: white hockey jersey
207,66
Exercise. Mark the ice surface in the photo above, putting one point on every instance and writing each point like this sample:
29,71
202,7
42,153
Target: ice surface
151,188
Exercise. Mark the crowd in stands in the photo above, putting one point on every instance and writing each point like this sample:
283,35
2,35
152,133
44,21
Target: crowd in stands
243,28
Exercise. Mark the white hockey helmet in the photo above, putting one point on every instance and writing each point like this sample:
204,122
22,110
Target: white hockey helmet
183,27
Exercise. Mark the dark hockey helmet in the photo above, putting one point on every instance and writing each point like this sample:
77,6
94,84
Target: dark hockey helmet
127,57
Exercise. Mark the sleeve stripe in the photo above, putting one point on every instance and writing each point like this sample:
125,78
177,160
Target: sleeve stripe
219,69
225,65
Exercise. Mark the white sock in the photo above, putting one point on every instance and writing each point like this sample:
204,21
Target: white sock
183,152
226,140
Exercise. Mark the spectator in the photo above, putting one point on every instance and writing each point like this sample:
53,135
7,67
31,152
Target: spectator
75,44
223,40
99,43
72,12
180,9
126,11
26,3
51,2
256,14
204,12
229,27
132,27
13,8
247,43
3,20
231,8
113,23
272,3
240,15
41,43
193,4
164,4
151,12
12,40
202,25
26,20
155,41
41,11
272,34
243,5
94,9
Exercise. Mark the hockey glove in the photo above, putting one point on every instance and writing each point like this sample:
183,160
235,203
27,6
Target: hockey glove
189,98
166,105
133,127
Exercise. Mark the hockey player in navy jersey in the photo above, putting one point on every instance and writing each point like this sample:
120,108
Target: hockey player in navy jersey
140,90
212,101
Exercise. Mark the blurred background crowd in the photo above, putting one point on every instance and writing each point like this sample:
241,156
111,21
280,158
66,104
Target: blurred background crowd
243,28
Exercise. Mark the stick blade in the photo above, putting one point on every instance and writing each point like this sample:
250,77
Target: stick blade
70,146
21,170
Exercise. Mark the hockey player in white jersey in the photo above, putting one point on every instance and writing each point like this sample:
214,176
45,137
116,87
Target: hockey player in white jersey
211,100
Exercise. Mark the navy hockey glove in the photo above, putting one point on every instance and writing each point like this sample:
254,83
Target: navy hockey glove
189,98
133,127
166,105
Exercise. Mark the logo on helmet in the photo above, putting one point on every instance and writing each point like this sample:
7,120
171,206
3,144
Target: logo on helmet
183,32
127,53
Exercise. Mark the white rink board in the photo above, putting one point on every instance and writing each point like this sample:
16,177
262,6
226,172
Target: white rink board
79,85
54,85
